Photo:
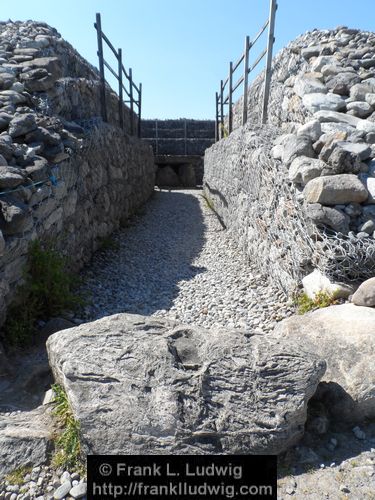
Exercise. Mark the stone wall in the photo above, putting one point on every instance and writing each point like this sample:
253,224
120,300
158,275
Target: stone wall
64,174
299,193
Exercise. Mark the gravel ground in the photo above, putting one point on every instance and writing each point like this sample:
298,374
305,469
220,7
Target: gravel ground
176,260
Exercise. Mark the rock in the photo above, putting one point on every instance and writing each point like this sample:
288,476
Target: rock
331,217
359,90
39,169
335,190
181,388
303,169
365,294
25,439
332,128
341,83
11,177
342,157
366,125
335,116
311,129
62,491
15,217
5,118
370,99
310,52
166,176
316,282
79,490
303,86
363,151
321,61
297,146
369,183
21,125
359,108
344,336
51,64
368,227
318,102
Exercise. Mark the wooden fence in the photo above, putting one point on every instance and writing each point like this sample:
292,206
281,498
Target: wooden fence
119,74
223,98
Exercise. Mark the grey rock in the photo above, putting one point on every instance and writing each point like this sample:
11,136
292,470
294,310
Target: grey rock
363,151
310,52
303,86
303,169
297,146
335,189
311,129
359,90
332,127
366,125
321,61
343,336
79,490
15,216
335,116
370,99
359,108
365,294
367,227
369,183
11,177
62,491
51,64
341,83
39,169
167,384
24,439
331,217
318,102
21,125
342,157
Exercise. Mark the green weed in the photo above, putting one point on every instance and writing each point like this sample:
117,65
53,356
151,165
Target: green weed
68,446
17,476
305,304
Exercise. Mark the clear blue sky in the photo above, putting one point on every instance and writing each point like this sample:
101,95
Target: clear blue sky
180,49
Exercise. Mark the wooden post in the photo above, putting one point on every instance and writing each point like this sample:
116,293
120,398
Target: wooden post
245,79
217,117
131,101
221,131
271,39
230,112
120,99
157,137
101,67
139,109
185,134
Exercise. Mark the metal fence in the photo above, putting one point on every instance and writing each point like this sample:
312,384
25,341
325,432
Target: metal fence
227,88
119,74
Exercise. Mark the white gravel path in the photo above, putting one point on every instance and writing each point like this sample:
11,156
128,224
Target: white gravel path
177,261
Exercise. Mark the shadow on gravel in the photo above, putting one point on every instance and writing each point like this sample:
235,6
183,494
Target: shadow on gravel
154,254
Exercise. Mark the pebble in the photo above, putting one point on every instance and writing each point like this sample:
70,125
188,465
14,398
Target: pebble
62,491
359,434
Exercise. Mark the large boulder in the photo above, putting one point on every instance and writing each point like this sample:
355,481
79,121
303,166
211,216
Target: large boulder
335,190
344,336
140,385
365,294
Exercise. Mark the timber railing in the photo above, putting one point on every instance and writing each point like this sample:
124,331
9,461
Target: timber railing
133,92
227,87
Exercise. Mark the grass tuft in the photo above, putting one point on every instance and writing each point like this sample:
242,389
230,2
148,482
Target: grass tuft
68,446
305,304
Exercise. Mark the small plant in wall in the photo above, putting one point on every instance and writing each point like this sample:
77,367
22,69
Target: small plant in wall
47,290
321,299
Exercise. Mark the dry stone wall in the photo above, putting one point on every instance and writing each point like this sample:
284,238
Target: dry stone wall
299,193
64,174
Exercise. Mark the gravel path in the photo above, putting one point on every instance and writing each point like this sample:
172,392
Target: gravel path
177,261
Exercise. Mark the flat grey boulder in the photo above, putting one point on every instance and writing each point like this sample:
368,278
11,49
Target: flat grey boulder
344,336
336,117
140,385
306,85
335,190
319,101
365,294
297,146
25,439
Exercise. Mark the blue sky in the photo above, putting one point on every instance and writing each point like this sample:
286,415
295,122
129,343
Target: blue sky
180,49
